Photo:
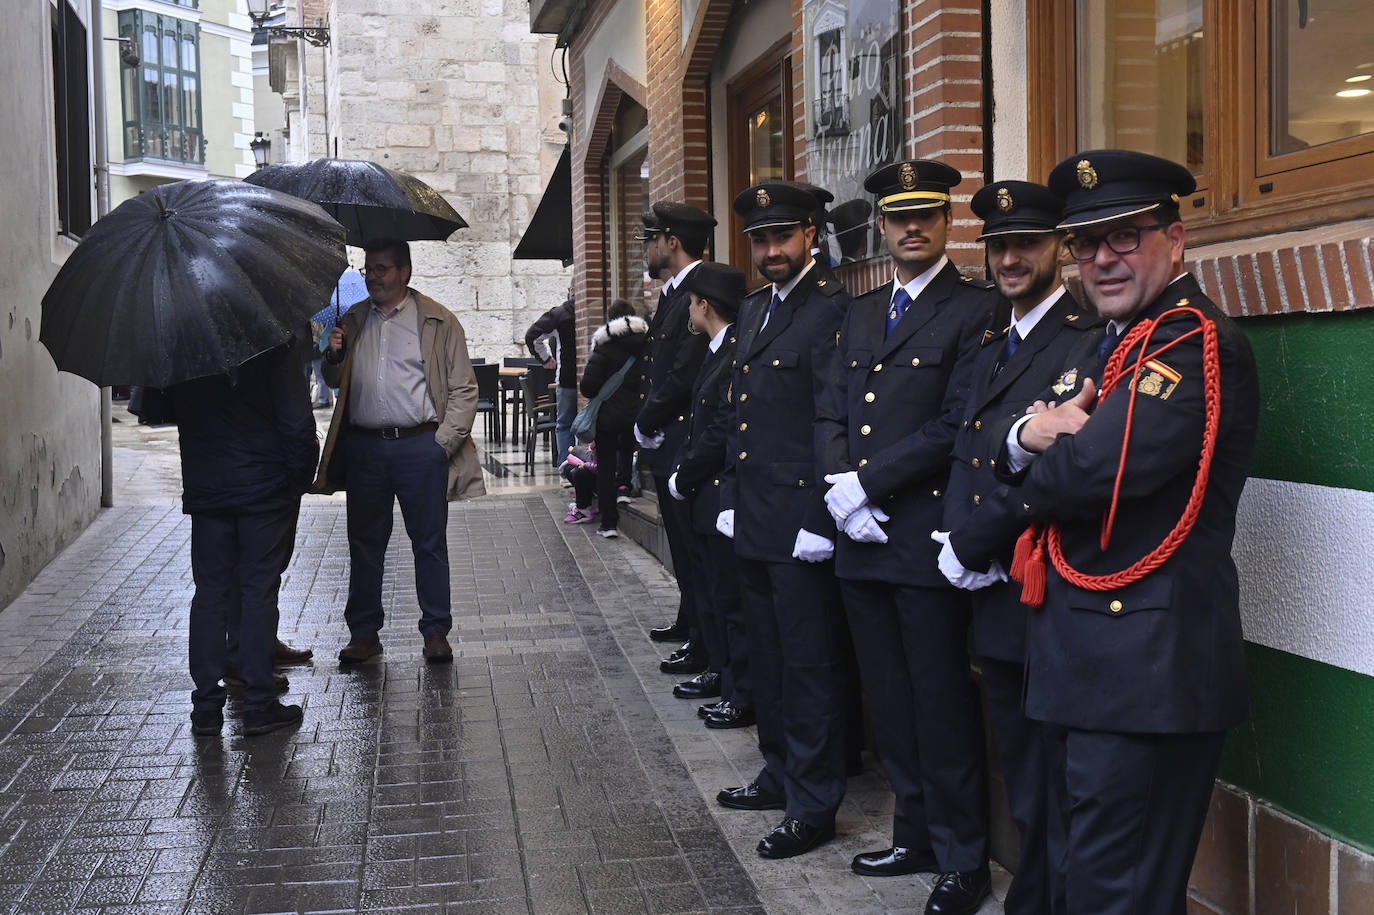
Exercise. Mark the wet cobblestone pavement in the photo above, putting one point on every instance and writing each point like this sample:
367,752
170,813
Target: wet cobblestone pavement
548,770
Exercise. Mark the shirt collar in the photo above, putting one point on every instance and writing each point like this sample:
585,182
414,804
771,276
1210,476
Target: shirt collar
1117,328
1027,322
783,292
676,281
918,285
405,303
719,338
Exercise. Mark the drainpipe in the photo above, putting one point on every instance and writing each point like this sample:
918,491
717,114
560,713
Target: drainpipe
102,206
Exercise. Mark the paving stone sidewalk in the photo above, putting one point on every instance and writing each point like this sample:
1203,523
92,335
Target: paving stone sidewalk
548,770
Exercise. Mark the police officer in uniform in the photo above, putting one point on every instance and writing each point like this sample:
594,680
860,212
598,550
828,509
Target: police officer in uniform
716,291
772,505
1140,664
906,349
674,238
1025,253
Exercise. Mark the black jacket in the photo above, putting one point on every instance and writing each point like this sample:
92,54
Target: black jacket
670,368
1163,654
702,456
900,398
557,320
247,444
995,398
612,345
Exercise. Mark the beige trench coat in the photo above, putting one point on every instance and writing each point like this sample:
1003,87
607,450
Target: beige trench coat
452,388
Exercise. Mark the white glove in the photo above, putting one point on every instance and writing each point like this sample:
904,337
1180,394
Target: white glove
812,547
862,525
725,523
672,487
648,442
845,496
954,570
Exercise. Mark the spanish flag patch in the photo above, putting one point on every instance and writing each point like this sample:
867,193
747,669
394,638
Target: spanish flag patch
1157,380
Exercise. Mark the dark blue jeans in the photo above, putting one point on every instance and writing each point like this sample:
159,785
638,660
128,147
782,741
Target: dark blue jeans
237,561
414,472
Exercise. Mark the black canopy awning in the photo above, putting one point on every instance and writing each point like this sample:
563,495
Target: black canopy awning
549,235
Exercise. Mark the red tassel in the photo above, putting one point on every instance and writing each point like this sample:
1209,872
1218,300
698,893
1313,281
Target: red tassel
1025,544
1033,576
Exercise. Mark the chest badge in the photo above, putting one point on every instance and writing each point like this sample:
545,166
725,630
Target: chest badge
1067,382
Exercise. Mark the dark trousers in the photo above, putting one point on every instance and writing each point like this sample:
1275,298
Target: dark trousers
584,485
414,472
1032,759
1137,806
608,470
912,647
236,562
794,621
720,585
677,524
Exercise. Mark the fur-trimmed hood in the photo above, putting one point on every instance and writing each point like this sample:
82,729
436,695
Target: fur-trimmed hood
621,327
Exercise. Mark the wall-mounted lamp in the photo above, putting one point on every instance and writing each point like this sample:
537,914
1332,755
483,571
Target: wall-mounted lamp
318,34
260,146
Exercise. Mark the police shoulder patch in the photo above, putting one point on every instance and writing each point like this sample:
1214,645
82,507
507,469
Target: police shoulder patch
1157,379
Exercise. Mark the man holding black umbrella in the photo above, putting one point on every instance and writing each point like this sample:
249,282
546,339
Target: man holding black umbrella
402,429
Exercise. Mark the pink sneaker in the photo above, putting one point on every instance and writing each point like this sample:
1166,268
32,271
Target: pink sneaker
580,515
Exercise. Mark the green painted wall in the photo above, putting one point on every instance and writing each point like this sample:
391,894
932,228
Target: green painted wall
1309,745
1317,394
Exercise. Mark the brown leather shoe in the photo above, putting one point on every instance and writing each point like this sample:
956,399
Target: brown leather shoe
285,654
437,650
360,649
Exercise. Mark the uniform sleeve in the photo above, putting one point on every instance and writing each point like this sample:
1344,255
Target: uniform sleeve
705,456
829,429
671,395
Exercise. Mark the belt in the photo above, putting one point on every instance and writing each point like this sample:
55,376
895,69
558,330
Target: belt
395,432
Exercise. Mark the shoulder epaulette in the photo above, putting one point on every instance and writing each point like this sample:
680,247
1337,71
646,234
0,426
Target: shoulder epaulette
829,287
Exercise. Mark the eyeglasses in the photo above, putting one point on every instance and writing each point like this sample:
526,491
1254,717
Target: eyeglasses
1121,241
376,270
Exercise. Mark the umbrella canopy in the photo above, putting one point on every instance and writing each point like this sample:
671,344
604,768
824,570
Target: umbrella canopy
350,288
188,280
368,200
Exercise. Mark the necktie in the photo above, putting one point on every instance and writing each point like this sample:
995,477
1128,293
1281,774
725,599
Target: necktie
1108,344
1009,350
900,303
772,307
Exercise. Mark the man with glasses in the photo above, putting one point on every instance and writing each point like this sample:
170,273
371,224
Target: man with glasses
1025,252
1139,664
402,429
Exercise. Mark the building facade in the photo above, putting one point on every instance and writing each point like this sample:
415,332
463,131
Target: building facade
50,438
1266,102
459,94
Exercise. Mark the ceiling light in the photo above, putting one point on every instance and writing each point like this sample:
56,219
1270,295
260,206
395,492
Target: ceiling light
1353,93
1359,79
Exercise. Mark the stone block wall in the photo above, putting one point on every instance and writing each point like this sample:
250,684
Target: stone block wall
456,93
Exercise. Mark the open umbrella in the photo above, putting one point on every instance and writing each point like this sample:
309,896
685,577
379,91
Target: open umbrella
351,288
188,280
368,200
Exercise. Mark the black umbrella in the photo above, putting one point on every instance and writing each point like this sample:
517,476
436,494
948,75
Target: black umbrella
368,200
188,280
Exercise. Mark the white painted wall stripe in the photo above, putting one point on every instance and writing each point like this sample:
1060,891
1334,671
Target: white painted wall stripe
1306,580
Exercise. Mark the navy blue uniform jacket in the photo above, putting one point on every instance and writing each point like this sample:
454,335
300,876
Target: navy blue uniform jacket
670,367
702,456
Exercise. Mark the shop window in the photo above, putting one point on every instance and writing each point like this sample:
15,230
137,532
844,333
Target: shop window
626,197
1269,102
161,97
759,109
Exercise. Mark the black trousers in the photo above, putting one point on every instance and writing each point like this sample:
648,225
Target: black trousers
236,562
795,621
1137,805
912,647
677,524
723,594
1032,759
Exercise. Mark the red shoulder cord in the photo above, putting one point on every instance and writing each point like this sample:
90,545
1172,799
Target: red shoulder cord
1028,562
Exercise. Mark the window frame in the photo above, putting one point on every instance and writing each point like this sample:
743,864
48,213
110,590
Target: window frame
1244,192
147,146
769,78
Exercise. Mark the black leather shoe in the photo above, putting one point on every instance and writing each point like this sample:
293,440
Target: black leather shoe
683,664
749,797
273,718
894,862
680,651
702,686
207,723
705,710
673,633
959,892
728,715
792,837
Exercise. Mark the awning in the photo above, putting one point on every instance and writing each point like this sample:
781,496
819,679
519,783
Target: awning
549,235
